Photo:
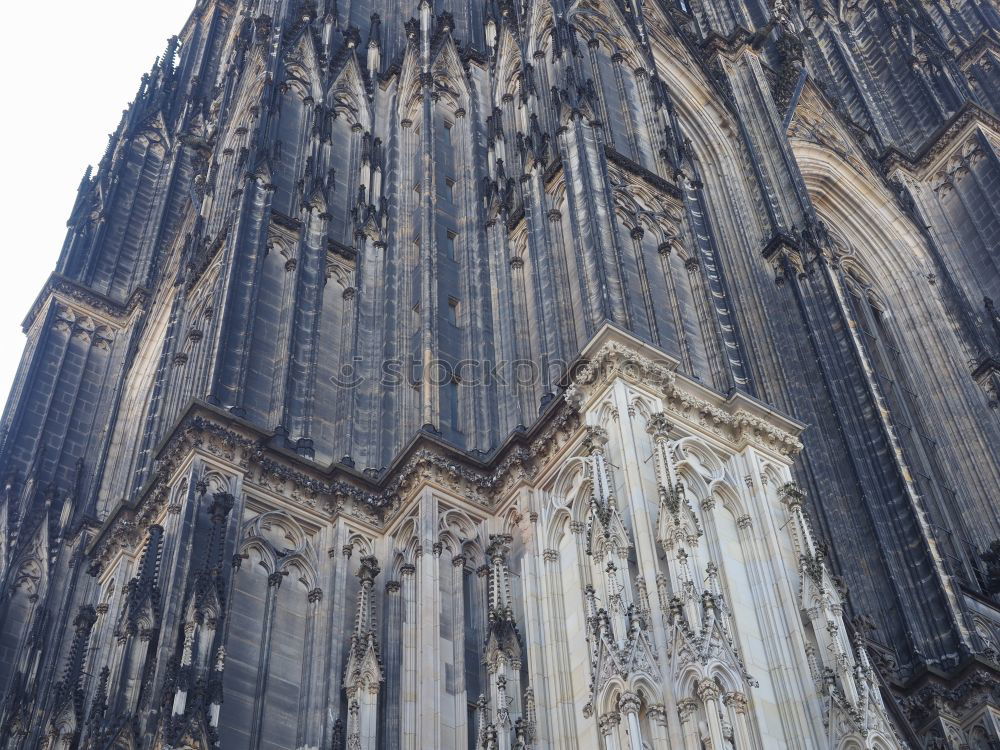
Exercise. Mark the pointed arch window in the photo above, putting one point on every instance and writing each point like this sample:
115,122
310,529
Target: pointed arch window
870,315
879,342
473,605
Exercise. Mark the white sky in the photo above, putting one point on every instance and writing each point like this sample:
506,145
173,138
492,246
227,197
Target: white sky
67,69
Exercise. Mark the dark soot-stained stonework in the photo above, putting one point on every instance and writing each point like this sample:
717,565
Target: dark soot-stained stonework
340,238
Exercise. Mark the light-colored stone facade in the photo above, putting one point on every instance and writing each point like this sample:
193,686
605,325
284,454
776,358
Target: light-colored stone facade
641,574
521,373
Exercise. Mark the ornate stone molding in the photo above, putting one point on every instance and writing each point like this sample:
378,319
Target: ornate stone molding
85,301
941,146
737,418
485,481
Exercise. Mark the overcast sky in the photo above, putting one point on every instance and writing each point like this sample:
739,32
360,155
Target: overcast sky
67,69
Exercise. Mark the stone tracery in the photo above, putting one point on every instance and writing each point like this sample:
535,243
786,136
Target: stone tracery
225,521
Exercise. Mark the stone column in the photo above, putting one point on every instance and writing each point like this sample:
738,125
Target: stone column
309,729
408,671
629,705
392,639
688,710
367,699
709,691
737,705
658,726
459,717
608,724
556,658
430,677
257,717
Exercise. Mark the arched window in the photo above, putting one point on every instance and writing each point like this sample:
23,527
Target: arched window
879,342
870,315
474,606
16,615
268,679
622,89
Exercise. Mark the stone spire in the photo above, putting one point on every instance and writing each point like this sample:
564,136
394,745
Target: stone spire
502,639
142,595
678,528
67,716
608,541
842,671
197,696
363,673
504,718
620,642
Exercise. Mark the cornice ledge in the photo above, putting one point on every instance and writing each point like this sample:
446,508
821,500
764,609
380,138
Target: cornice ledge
614,353
637,170
484,486
948,135
204,429
736,418
971,54
335,489
111,311
484,480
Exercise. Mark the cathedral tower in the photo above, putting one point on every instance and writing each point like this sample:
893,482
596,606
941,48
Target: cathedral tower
507,374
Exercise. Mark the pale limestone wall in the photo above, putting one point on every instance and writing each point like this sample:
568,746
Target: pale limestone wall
652,583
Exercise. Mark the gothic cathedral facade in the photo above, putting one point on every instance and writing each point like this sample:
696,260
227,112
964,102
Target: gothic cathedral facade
509,374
